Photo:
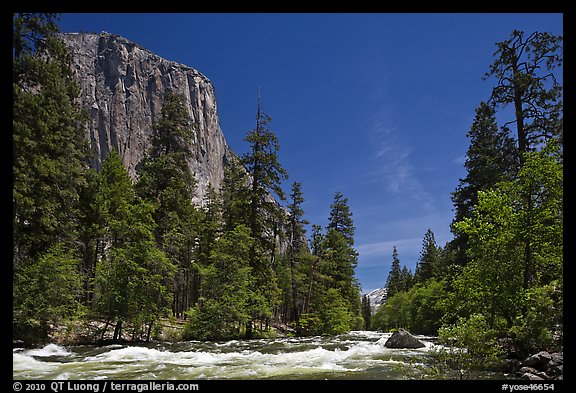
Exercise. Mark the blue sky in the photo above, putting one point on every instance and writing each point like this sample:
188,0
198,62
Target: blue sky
376,106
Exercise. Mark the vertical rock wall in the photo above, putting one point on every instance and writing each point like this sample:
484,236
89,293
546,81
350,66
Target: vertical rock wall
122,87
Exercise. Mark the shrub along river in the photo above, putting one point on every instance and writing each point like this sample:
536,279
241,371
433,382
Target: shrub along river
357,355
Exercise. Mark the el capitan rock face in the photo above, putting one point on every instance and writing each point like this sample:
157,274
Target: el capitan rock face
122,86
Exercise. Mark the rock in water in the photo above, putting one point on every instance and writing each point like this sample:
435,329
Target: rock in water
403,339
537,360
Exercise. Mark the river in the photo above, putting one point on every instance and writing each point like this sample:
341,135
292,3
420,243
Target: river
356,355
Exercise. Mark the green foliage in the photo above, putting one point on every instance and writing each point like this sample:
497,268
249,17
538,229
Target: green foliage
516,251
130,252
133,276
533,330
265,216
336,316
297,248
339,253
468,346
165,180
48,140
262,161
173,131
395,282
226,300
419,310
309,324
37,302
392,314
29,32
492,157
366,312
235,193
49,174
428,265
266,174
524,68
340,219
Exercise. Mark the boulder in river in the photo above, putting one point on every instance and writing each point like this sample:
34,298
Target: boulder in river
403,339
543,365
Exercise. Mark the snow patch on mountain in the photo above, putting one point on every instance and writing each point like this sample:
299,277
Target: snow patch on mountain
377,298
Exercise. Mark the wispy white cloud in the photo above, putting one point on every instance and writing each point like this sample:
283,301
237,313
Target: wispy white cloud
385,248
392,159
460,160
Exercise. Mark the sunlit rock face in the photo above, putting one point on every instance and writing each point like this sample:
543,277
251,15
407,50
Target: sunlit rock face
122,87
377,298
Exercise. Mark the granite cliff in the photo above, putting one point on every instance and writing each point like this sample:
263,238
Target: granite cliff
122,85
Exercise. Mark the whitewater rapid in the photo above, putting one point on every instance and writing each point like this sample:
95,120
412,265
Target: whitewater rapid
357,355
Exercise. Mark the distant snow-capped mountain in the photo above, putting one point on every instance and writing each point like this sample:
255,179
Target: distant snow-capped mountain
377,297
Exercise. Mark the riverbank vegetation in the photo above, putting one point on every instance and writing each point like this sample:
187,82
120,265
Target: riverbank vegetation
500,281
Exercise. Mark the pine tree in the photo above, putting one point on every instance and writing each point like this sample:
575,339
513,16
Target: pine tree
429,258
227,281
407,278
48,145
340,253
340,218
492,157
90,233
265,215
266,173
524,67
49,175
524,71
235,195
296,244
316,281
366,312
394,282
210,229
133,276
173,131
166,181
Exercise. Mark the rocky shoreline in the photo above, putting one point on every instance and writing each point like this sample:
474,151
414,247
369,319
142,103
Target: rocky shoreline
542,366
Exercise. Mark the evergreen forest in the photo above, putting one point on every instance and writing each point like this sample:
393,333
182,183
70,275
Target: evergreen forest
130,254
94,245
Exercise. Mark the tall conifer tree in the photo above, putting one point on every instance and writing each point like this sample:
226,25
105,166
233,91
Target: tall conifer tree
394,281
265,215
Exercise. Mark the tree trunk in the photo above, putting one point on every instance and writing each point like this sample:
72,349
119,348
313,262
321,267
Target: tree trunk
149,332
248,329
118,331
522,148
104,330
295,315
310,282
519,112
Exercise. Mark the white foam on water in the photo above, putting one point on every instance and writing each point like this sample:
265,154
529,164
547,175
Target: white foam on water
127,354
275,358
25,366
64,376
48,350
